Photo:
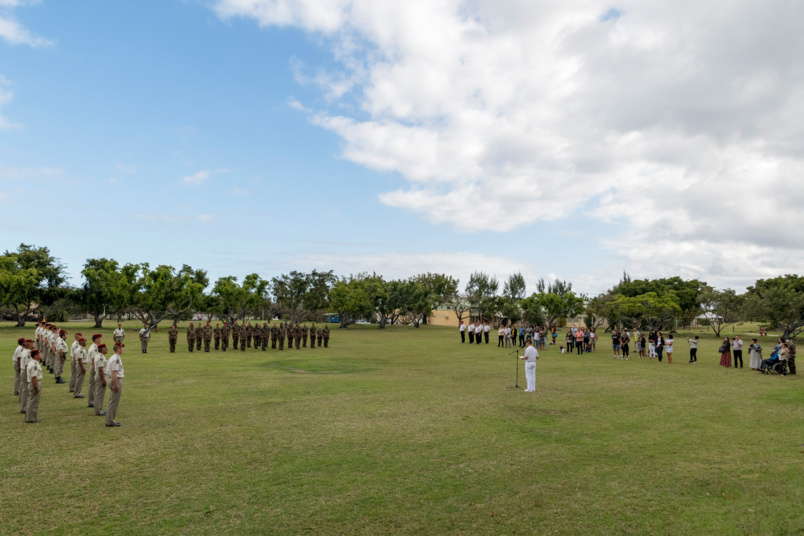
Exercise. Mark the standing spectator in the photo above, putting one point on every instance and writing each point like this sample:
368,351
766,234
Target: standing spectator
570,341
507,336
659,345
593,339
625,345
755,353
521,336
463,332
652,344
553,333
615,343
641,342
586,341
668,348
471,332
693,349
791,357
478,332
725,353
737,345
501,337
486,329
579,337
543,338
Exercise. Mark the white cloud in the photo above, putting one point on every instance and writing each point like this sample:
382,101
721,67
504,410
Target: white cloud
5,97
13,33
503,113
200,177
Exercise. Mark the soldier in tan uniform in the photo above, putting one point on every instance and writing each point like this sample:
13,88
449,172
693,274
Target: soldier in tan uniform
72,361
119,334
225,336
173,338
216,334
145,337
191,337
81,365
207,337
100,379
61,355
114,377
34,379
96,340
15,360
24,359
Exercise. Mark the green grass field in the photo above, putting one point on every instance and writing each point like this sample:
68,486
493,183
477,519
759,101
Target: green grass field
406,431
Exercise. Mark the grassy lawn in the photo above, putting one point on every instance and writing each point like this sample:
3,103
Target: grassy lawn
406,431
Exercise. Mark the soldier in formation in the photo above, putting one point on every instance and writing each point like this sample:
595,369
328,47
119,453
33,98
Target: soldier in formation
191,337
173,338
207,337
216,334
199,337
225,336
235,335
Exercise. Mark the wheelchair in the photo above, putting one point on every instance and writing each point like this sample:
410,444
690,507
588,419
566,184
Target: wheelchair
779,368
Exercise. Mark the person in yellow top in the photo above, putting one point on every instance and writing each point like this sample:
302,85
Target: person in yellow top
34,375
100,378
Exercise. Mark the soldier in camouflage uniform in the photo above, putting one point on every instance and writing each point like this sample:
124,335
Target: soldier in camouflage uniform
274,336
320,334
216,333
235,335
304,335
326,336
266,332
257,333
207,337
248,329
173,337
225,336
297,333
243,335
199,336
191,337
281,336
312,336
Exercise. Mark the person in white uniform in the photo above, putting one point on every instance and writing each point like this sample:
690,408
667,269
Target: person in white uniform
119,334
15,360
530,357
114,378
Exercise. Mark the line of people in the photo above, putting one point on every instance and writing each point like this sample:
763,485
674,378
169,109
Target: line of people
49,349
784,351
243,335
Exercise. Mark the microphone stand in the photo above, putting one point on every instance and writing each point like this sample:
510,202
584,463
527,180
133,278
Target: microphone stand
516,362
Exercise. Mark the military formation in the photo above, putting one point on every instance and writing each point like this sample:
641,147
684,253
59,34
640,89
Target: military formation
246,335
48,350
94,370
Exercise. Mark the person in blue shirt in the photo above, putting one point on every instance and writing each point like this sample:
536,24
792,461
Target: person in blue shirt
521,336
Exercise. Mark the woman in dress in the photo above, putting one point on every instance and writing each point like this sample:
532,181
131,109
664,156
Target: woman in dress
725,357
668,348
755,351
570,341
659,346
592,339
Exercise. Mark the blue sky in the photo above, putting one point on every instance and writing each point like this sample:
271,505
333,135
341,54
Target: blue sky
248,135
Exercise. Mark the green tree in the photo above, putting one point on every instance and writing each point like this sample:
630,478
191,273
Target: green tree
104,291
349,298
551,302
479,289
30,277
298,294
721,307
155,294
779,303
234,300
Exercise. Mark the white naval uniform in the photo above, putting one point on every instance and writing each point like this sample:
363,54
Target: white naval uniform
531,355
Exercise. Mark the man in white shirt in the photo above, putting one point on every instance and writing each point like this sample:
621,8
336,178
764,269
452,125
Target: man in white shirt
100,379
96,340
72,361
737,347
34,376
530,357
507,336
478,332
486,330
81,362
471,332
119,334
114,377
463,332
16,362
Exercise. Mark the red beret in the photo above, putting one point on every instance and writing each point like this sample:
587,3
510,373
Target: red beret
120,344
28,340
21,341
81,339
62,332
101,346
96,336
80,334
34,352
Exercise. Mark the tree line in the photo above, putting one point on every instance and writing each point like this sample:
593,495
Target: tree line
31,277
